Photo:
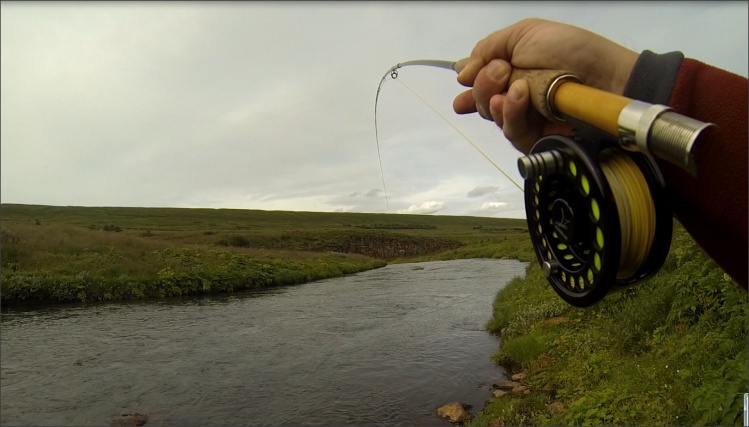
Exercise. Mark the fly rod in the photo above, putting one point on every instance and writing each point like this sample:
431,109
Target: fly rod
596,204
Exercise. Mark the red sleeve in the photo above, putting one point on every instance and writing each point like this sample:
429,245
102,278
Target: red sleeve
713,206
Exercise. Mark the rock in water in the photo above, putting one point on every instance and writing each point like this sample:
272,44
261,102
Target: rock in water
455,412
135,419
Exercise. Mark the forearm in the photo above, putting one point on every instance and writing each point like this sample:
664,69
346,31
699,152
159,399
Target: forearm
713,205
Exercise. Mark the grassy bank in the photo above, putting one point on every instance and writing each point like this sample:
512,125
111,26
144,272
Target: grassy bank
669,351
511,245
64,254
68,264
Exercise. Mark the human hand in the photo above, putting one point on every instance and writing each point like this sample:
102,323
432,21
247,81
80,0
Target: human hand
536,44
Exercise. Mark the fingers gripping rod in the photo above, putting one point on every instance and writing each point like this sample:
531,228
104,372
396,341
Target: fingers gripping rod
639,126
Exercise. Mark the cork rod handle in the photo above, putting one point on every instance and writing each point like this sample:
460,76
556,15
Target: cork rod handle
555,93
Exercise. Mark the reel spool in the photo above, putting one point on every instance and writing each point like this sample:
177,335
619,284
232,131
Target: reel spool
598,216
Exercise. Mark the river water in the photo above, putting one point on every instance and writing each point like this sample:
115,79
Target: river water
382,347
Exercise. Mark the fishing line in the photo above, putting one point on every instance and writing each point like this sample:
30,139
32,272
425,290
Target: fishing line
393,73
377,139
635,207
464,136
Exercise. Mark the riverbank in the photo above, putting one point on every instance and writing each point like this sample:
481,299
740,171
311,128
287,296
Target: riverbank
671,350
73,254
181,272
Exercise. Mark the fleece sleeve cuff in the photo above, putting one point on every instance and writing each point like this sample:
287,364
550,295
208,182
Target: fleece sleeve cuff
653,77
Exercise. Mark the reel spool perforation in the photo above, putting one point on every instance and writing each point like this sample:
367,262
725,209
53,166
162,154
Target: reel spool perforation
574,220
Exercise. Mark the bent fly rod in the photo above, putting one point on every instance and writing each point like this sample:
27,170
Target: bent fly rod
596,205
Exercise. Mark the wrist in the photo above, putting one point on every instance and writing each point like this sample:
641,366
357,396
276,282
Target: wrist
625,65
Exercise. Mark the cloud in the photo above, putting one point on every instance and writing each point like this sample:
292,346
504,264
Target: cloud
493,206
375,192
425,208
482,191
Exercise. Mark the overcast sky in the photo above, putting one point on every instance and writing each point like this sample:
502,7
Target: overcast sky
270,105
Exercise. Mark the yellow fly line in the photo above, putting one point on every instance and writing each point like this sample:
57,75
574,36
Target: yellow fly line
636,209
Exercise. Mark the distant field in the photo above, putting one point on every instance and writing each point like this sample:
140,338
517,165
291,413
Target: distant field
256,221
54,253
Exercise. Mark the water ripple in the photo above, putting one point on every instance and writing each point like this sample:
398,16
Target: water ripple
383,347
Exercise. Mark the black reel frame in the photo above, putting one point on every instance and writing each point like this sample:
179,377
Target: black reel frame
573,219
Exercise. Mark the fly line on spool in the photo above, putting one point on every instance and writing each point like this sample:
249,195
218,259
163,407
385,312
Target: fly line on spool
634,204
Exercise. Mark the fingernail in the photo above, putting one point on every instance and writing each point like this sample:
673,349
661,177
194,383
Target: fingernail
462,74
514,92
496,70
460,64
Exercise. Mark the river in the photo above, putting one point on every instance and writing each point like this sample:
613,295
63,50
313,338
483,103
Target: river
382,347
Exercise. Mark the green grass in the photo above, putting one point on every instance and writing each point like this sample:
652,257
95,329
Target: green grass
257,221
671,350
63,254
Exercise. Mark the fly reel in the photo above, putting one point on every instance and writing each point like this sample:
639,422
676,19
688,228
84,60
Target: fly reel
598,215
